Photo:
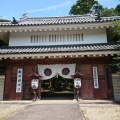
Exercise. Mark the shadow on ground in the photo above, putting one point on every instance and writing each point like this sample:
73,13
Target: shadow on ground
57,96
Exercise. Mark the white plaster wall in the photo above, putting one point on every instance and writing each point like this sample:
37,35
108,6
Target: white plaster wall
19,39
95,36
90,36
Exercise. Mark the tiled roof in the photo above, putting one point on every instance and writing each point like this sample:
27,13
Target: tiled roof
59,20
60,49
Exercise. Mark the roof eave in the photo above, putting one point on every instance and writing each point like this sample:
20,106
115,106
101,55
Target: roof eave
60,55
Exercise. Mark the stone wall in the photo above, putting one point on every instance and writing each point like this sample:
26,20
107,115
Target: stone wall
116,86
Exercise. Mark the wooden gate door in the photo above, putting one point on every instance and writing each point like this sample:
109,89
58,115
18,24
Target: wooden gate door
103,89
27,92
13,90
87,90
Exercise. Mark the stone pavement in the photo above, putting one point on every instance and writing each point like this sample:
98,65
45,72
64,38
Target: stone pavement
55,109
49,110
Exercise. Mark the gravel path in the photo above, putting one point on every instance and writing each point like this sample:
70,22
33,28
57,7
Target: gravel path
66,110
8,109
100,111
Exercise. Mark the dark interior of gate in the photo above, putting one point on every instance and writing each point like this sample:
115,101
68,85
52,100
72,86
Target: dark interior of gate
57,88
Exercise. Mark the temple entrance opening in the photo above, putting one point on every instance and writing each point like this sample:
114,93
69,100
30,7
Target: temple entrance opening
57,88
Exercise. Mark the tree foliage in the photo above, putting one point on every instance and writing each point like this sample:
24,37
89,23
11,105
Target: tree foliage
116,64
84,6
117,10
117,25
116,59
107,12
4,20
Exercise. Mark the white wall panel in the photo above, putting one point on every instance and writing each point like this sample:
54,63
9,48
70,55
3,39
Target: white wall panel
90,36
96,36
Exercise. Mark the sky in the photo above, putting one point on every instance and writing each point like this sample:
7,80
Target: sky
42,8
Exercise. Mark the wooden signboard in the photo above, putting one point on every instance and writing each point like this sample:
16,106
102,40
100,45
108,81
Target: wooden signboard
95,77
19,80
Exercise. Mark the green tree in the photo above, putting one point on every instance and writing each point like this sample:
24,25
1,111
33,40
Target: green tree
4,20
107,12
116,59
84,6
117,25
117,9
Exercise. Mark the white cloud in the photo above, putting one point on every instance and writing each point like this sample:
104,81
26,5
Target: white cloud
49,8
54,7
